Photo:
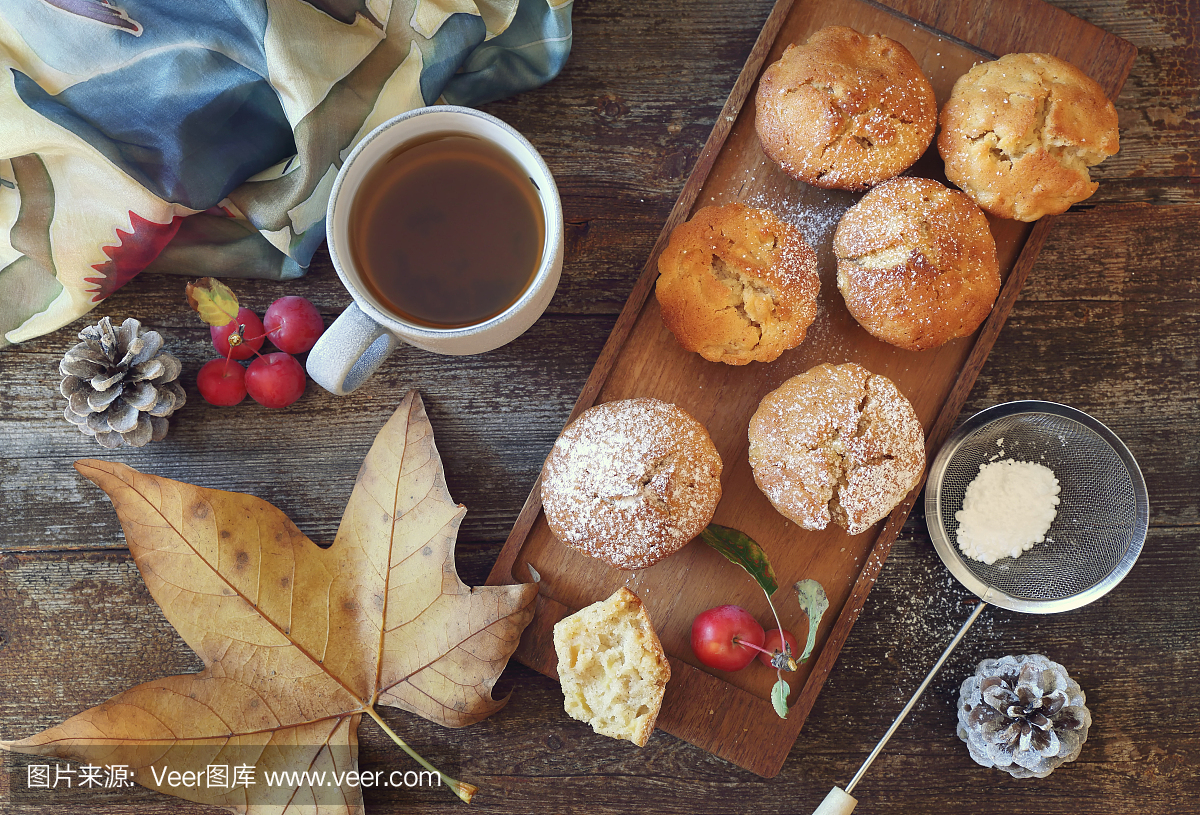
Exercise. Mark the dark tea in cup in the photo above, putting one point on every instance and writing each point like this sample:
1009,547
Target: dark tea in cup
446,228
447,231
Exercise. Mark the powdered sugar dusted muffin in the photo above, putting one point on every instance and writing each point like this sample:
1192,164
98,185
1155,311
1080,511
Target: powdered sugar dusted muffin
737,284
631,481
1019,134
836,443
916,263
845,110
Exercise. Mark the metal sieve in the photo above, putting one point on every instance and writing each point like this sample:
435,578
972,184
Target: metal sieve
1103,509
1093,542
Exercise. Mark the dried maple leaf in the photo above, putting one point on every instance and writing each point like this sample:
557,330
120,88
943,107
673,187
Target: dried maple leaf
298,642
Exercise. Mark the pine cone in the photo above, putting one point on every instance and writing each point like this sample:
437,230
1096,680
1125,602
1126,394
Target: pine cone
1023,715
120,385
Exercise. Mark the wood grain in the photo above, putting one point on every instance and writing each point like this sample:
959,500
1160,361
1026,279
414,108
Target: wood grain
1029,25
240,448
528,762
1108,321
1116,285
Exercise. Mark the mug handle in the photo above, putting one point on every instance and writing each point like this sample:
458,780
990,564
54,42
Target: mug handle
349,351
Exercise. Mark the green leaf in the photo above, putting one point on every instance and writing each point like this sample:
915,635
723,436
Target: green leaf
814,602
739,548
215,302
779,695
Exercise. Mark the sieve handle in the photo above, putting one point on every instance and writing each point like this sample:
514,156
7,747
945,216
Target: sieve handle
913,701
837,802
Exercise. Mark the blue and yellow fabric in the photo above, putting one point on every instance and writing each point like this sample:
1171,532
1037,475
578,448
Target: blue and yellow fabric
202,137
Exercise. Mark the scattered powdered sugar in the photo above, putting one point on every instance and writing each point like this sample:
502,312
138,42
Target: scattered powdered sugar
1007,509
631,481
816,216
912,613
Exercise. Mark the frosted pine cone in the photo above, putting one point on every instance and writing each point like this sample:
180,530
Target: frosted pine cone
120,385
1023,715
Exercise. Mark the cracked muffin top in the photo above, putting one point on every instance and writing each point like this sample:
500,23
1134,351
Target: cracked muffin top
916,263
631,481
845,110
1019,134
836,443
737,284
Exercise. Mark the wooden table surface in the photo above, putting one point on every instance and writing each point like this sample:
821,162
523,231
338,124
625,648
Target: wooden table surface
1109,322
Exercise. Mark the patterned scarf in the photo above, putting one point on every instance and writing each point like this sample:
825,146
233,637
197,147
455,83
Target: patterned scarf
202,137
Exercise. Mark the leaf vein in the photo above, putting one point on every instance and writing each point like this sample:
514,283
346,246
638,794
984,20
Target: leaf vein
268,620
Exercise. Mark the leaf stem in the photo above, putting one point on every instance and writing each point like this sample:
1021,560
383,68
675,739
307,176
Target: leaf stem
783,642
775,615
462,789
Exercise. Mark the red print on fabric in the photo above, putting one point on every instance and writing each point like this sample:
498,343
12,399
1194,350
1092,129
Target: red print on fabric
134,253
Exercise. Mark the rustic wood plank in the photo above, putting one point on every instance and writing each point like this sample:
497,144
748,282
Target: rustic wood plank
295,457
1107,322
1174,190
1115,286
1029,25
1159,118
89,626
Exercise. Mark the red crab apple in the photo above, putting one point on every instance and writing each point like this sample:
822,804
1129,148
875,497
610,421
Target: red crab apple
222,382
293,324
275,380
252,337
773,643
718,634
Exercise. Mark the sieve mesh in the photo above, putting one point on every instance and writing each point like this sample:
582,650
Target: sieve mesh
1102,514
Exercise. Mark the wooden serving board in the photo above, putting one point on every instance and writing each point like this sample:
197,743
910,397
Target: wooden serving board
730,714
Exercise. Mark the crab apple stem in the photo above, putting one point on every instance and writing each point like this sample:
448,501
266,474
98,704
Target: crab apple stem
744,644
265,333
462,789
793,665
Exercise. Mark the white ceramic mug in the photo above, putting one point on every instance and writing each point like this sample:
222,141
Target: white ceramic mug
365,334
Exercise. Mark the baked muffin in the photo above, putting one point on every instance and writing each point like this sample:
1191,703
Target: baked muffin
836,443
612,667
737,284
916,263
845,110
631,481
1019,134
